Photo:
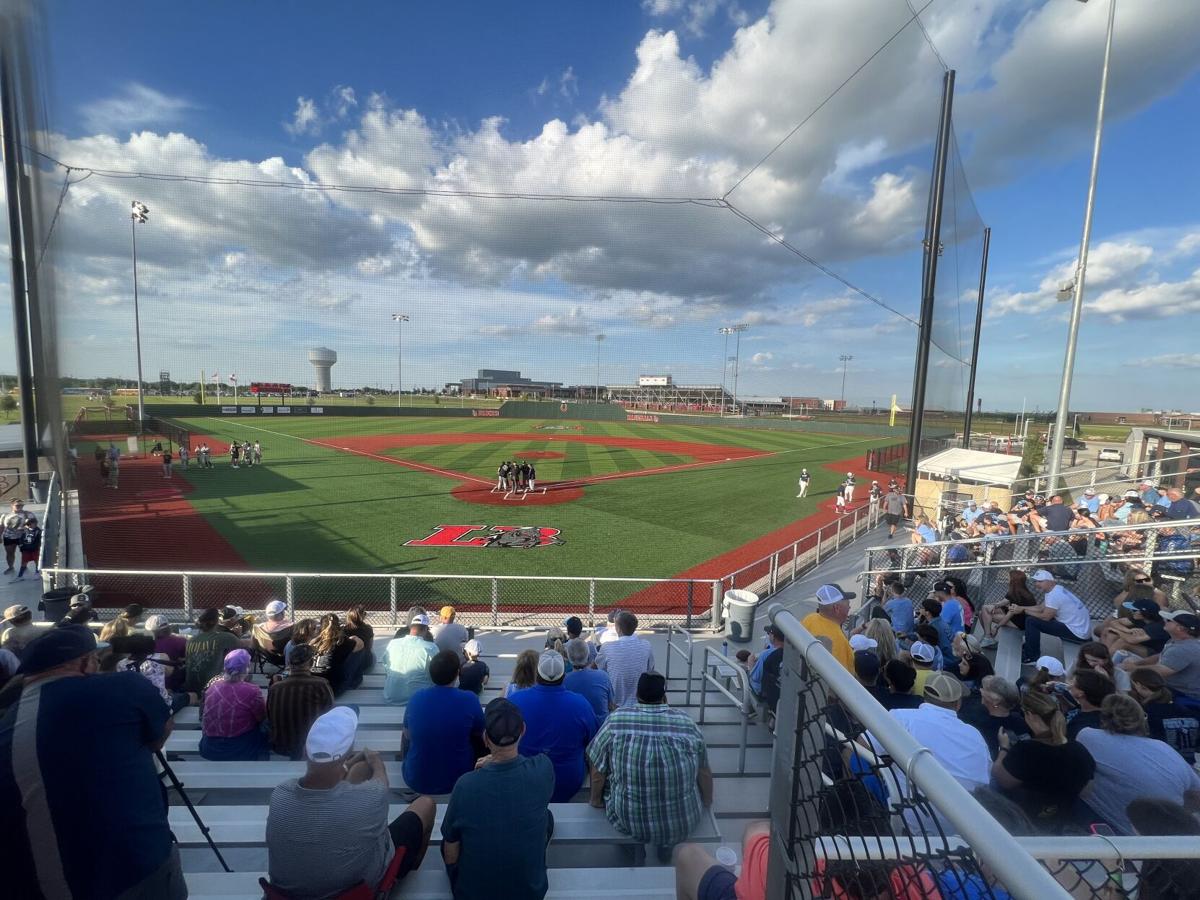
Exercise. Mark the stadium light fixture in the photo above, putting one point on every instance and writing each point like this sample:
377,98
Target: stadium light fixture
737,356
726,359
139,215
1064,395
399,319
599,340
845,360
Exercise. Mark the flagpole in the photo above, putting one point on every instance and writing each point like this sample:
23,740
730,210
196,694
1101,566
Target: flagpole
201,387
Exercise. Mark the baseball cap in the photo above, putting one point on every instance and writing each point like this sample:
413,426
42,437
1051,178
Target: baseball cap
15,612
972,643
276,608
774,631
79,601
866,664
446,612
1042,575
156,623
473,648
55,647
1133,495
502,722
577,652
944,688
331,735
941,587
862,642
418,619
1051,665
551,666
921,651
1089,492
229,612
1145,607
828,594
1184,619
237,661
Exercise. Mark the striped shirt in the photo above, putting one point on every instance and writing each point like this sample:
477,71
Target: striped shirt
650,755
321,842
625,659
292,706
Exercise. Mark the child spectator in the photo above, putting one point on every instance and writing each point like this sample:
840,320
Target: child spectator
30,546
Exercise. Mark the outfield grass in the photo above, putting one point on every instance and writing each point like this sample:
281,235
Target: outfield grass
316,508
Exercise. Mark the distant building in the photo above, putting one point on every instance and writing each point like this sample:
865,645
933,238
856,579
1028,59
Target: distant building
660,393
803,404
1173,418
507,383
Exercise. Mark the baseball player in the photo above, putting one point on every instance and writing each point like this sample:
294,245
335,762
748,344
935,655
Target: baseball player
849,488
530,478
257,453
805,478
502,475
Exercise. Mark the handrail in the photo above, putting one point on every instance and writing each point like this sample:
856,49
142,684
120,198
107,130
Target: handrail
378,575
672,647
743,704
990,841
872,510
1072,847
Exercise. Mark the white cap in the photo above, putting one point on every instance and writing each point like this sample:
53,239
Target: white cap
1051,665
154,623
1042,575
418,619
922,651
862,642
551,665
472,648
828,594
331,735
276,608
1089,492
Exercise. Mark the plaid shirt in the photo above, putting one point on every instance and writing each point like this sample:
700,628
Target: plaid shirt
650,755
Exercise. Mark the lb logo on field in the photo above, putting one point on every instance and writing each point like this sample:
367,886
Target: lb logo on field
475,537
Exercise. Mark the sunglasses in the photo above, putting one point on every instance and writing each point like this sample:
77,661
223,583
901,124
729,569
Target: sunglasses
1141,581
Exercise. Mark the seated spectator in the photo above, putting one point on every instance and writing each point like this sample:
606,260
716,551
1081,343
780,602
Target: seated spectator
524,672
959,747
1094,655
573,626
588,681
1088,688
880,631
625,660
1011,612
930,615
498,821
1143,634
1179,662
328,830
408,661
448,634
442,727
558,723
474,674
1131,766
923,662
608,631
764,676
972,666
294,702
115,628
1136,585
1165,879
1046,774
275,618
171,647
233,713
1166,720
556,640
357,626
833,608
957,611
1060,613
900,610
698,876
1059,557
866,670
9,663
234,620
336,657
302,633
80,612
81,805
271,636
996,708
650,768
135,653
899,678
204,659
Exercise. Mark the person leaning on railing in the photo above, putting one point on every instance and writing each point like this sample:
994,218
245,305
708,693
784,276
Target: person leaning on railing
833,607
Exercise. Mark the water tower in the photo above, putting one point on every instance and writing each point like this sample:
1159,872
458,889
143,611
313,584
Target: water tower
322,359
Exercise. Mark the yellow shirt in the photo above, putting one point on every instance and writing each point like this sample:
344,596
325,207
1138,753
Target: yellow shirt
918,687
821,627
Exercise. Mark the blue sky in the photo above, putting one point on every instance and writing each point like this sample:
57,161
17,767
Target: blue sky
664,98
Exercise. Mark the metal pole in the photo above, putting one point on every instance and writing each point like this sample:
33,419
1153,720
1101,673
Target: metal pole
29,435
724,368
1064,394
933,238
137,325
987,241
737,363
399,363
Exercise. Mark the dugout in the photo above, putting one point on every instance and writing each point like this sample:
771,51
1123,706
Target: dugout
956,475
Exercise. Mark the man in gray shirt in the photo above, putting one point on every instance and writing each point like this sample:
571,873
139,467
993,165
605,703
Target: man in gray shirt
1179,661
448,634
328,830
894,508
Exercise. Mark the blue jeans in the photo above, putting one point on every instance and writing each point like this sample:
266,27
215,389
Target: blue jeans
1035,628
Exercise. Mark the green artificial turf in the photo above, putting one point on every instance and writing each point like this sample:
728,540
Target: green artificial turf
318,509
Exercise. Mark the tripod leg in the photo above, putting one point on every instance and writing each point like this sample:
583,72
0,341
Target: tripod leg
178,785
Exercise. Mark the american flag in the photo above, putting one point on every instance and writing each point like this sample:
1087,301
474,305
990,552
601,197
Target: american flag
233,379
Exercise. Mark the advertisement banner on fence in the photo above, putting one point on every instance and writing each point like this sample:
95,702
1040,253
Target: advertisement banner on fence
316,410
283,410
249,410
486,413
268,410
641,417
228,410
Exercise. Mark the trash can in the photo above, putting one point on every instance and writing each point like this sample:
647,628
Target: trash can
739,614
55,603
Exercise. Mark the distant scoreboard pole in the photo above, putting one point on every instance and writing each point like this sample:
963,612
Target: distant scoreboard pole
258,388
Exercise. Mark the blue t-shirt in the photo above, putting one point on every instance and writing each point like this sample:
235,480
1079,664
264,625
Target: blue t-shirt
500,817
952,615
945,643
95,775
440,721
472,675
901,611
558,723
595,687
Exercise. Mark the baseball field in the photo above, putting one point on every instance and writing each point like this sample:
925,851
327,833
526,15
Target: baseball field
418,494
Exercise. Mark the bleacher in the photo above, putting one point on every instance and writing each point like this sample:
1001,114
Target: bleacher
587,857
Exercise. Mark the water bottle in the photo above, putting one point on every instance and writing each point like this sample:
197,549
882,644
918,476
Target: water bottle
725,648
727,857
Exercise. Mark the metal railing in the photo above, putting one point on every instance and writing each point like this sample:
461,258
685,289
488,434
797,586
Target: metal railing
718,671
857,802
673,649
1092,564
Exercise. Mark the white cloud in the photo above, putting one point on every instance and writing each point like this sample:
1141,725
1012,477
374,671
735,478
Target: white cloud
761,359
136,106
1173,361
305,120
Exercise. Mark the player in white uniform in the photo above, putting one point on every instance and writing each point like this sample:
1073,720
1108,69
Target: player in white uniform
803,483
849,488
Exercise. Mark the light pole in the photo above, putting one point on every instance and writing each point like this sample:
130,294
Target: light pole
737,357
725,357
399,319
1076,289
139,215
599,341
845,360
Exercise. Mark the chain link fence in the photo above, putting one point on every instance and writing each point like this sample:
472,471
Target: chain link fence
860,809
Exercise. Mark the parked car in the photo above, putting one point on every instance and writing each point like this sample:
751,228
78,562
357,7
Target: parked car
1111,454
1071,443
